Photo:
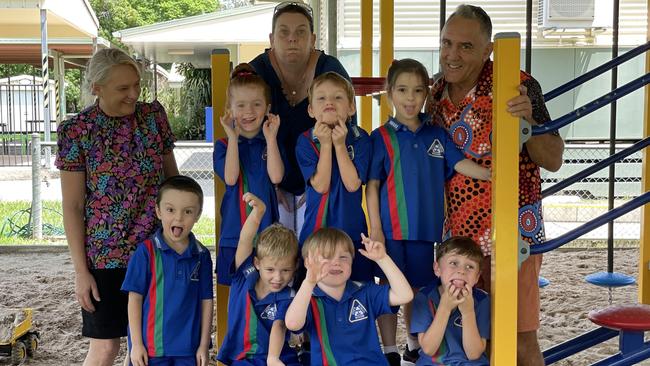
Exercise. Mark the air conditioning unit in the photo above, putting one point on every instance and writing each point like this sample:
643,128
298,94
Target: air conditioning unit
566,13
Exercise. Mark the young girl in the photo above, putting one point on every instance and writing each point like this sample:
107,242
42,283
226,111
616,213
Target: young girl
412,159
248,160
334,157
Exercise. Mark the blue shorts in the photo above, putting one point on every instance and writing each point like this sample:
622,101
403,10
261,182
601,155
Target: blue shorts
414,258
223,266
363,269
171,361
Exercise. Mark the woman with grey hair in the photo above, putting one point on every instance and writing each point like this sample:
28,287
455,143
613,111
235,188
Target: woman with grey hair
112,157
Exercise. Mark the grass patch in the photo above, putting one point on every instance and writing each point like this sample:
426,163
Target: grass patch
14,228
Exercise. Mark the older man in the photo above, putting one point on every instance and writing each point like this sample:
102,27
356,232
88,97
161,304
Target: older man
463,100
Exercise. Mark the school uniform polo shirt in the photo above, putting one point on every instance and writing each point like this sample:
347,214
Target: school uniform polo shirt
173,287
412,168
254,178
250,319
451,350
337,207
343,332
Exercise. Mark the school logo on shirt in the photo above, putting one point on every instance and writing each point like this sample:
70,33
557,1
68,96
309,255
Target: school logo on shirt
458,321
264,154
357,312
436,149
195,272
351,152
270,312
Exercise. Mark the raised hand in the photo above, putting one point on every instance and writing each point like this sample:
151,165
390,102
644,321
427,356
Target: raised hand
450,297
374,250
230,126
317,267
271,126
323,132
339,132
257,204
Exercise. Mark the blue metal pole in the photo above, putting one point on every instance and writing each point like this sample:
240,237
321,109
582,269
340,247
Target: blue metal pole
587,227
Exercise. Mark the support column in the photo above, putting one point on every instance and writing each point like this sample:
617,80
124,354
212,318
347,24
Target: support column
386,49
220,65
644,245
45,83
366,61
505,200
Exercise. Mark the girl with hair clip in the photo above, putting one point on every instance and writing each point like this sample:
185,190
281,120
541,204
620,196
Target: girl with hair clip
247,160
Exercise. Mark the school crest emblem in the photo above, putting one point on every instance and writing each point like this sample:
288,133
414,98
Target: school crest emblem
270,312
195,272
351,152
357,312
436,149
264,154
458,321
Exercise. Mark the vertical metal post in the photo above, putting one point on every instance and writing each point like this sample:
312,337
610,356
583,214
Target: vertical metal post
220,64
612,144
644,243
63,110
529,34
386,49
443,14
58,86
37,208
332,27
505,200
45,83
155,80
366,61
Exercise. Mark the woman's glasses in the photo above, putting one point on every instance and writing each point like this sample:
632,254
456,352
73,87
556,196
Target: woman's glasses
301,5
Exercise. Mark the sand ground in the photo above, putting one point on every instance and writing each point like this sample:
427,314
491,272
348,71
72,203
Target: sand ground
44,280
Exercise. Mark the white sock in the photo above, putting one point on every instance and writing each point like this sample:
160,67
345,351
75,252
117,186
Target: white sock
389,349
412,343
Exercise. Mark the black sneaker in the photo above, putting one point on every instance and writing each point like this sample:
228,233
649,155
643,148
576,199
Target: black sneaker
411,355
393,358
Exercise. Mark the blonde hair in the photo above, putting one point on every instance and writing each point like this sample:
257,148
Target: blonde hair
326,240
335,79
99,69
276,241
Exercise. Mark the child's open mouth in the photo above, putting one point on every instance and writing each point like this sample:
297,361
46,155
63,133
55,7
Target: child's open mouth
335,272
177,230
458,283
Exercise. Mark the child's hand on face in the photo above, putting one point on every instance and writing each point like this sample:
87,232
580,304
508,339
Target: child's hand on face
257,204
323,132
230,126
317,268
374,250
339,132
271,126
451,297
467,305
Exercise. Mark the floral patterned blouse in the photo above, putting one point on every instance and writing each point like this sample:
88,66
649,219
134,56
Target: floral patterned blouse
470,125
123,161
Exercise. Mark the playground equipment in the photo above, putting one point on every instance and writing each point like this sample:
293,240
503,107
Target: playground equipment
17,338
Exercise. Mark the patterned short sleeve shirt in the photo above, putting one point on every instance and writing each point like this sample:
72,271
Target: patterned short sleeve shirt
122,158
469,210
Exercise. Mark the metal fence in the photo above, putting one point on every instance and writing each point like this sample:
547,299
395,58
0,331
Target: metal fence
563,211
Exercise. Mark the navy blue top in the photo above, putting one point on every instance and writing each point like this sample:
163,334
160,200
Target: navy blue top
337,208
254,178
294,120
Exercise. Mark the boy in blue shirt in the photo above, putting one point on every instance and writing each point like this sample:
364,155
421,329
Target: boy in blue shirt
334,157
450,317
259,295
169,281
338,313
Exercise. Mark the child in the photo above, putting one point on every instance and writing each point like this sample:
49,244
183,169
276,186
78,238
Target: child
248,160
259,295
334,157
338,313
411,161
169,281
450,317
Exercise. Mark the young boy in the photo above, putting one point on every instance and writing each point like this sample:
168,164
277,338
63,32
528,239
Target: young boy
450,317
169,281
338,313
334,157
259,295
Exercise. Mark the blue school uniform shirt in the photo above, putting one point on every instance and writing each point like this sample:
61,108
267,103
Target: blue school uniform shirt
451,350
295,119
173,287
344,332
337,208
412,168
254,178
250,319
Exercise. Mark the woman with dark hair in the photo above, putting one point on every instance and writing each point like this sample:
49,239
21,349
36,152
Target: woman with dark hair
289,67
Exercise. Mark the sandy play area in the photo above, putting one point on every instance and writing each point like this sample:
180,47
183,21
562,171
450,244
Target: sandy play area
43,280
